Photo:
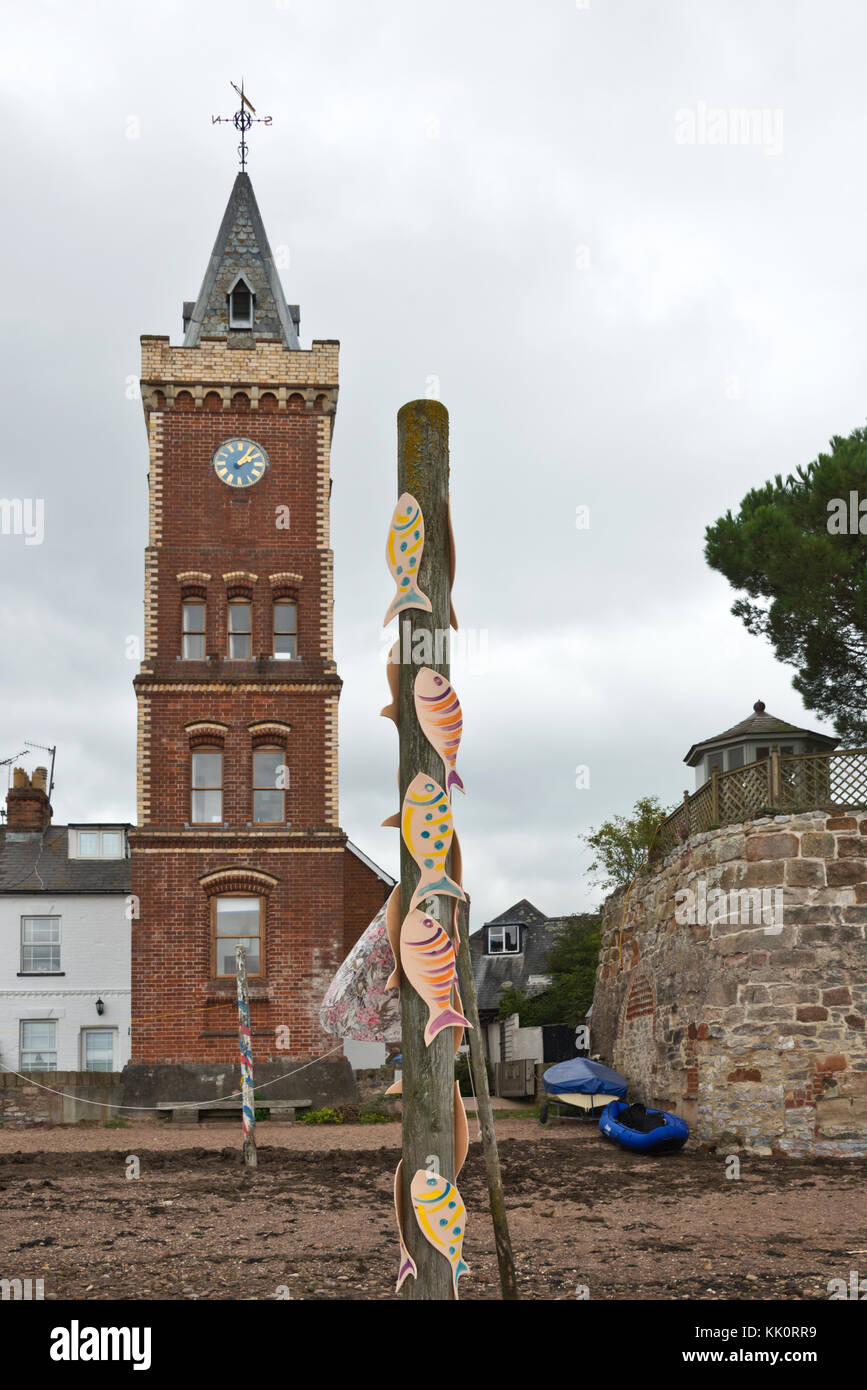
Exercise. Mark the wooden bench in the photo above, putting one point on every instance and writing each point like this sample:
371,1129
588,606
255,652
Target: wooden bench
191,1114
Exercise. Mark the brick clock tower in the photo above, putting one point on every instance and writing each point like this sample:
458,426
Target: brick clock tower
238,837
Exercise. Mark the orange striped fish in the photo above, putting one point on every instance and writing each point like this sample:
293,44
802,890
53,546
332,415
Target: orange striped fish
427,958
439,714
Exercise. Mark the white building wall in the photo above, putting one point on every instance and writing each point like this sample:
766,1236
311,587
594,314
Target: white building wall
95,960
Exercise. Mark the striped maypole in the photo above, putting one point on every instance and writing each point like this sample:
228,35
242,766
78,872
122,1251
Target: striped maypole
245,1043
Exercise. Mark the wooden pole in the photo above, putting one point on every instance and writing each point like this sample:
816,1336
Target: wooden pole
245,1042
428,1072
505,1258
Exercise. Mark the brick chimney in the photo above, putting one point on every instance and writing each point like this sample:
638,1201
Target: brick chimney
28,809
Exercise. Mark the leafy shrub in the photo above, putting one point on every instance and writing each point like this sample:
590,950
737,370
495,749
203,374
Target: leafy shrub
323,1117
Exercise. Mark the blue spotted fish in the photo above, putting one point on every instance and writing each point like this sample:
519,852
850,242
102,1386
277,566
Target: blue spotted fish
428,828
440,1214
403,552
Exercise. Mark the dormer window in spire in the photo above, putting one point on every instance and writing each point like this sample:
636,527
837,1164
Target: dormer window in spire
241,299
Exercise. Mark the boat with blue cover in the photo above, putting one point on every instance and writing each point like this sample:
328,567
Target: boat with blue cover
642,1129
580,1085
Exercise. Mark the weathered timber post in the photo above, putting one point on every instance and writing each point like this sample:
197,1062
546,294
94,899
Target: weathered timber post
245,1043
428,1072
505,1258
774,778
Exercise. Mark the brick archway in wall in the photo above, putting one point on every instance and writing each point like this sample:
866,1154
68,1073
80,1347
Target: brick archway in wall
635,1048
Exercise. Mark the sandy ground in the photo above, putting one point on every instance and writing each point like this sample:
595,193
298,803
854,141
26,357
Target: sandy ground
316,1217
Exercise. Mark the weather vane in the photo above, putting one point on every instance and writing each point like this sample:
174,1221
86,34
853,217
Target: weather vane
242,120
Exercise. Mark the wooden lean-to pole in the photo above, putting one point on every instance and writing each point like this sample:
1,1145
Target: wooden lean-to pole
505,1258
428,1072
245,1043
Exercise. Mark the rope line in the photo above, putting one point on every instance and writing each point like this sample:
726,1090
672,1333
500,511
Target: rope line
174,1104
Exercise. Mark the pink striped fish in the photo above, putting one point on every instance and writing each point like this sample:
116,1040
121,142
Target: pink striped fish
427,958
439,714
407,1265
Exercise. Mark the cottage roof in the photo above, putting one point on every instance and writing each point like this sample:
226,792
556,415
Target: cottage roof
35,863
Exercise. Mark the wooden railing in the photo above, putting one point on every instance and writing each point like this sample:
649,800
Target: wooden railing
776,785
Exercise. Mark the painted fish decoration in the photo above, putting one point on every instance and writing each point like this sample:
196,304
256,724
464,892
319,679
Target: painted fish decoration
427,828
439,714
392,927
403,552
462,1132
427,958
392,673
407,1263
440,1214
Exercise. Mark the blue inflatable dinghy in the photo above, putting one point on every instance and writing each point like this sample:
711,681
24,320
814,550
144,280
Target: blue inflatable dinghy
646,1131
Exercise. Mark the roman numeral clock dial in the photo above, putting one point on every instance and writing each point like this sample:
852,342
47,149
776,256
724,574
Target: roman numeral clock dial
240,462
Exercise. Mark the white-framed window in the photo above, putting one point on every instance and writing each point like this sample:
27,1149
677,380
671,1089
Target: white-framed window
96,842
504,941
194,629
241,304
38,1044
285,629
40,945
98,1049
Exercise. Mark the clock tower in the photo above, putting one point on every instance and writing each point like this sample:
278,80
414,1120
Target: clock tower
238,838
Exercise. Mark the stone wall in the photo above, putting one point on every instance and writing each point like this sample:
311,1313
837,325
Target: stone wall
90,1096
750,1023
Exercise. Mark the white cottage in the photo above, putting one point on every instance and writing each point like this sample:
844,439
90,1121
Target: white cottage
65,934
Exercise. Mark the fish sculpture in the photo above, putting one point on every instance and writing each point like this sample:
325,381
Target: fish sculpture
427,958
462,1132
427,828
439,713
393,676
392,928
403,552
440,1213
453,621
407,1265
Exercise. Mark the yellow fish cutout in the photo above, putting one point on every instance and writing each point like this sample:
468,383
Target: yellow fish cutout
427,827
440,1214
403,552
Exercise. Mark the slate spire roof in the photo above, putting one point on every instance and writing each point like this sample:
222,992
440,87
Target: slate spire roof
759,724
241,249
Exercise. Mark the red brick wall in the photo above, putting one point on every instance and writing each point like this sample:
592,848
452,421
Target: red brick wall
364,894
206,527
172,972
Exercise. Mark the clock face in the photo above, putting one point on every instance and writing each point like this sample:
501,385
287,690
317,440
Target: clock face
240,462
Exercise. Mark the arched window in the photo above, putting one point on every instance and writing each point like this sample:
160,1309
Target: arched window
240,304
237,920
207,786
285,629
194,629
269,784
240,610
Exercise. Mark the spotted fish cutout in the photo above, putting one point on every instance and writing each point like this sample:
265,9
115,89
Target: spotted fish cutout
427,828
440,1214
403,552
407,1263
427,958
439,713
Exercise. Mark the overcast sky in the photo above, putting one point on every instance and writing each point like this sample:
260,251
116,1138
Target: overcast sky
545,214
